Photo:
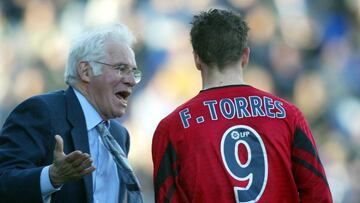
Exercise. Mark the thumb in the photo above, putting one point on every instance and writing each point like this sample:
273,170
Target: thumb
59,145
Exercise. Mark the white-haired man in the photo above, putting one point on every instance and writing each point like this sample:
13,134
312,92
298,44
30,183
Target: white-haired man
65,146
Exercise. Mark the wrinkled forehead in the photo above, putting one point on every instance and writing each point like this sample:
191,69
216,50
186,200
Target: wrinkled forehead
119,53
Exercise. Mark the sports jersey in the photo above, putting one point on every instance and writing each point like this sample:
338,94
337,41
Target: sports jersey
237,144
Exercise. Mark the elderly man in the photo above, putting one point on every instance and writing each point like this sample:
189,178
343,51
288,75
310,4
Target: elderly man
65,146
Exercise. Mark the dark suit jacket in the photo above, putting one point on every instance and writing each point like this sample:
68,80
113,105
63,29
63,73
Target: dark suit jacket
27,143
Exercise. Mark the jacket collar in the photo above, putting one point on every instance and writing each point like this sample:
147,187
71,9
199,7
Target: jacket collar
92,117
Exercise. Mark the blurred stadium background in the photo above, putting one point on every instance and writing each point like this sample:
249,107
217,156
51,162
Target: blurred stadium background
306,51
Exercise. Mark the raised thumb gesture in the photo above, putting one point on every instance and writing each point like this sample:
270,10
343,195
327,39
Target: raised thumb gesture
59,147
68,167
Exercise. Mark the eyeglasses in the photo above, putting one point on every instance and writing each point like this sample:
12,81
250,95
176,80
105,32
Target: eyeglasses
124,70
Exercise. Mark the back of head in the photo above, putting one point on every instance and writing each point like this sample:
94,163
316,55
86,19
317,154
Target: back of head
218,37
90,46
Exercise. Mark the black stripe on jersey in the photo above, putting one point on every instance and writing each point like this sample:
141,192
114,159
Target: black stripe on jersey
170,193
310,167
301,141
166,170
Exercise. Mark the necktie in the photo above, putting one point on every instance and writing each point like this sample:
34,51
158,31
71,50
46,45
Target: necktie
126,172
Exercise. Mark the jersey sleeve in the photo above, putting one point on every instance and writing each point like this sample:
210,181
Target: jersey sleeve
307,168
166,168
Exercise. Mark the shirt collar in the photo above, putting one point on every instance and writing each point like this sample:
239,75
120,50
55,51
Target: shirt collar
92,117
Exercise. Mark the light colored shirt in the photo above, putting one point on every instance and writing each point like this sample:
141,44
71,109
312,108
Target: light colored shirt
105,186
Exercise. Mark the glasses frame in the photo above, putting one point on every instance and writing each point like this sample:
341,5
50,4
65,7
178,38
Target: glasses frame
136,73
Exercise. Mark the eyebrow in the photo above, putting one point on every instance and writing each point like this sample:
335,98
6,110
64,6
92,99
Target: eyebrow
127,65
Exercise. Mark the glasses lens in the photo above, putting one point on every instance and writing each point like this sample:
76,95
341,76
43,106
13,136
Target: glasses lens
137,75
125,70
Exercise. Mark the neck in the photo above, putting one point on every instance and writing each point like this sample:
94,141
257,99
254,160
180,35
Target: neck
229,76
83,89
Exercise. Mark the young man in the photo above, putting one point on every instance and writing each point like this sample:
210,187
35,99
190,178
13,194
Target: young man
233,142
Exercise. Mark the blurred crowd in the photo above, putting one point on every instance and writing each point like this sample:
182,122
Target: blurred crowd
306,51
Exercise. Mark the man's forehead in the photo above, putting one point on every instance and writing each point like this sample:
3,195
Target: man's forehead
120,53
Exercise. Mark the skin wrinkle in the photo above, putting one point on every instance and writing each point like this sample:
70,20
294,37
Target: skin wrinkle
101,89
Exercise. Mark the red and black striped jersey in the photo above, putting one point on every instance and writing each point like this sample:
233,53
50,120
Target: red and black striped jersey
237,144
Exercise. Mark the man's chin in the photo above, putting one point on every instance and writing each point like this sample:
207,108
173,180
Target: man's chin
119,114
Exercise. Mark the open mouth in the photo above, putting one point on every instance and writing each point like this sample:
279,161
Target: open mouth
122,95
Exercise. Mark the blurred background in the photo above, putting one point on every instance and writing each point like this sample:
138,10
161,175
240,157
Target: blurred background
306,51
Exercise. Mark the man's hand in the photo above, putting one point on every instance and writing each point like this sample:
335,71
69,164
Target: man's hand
68,167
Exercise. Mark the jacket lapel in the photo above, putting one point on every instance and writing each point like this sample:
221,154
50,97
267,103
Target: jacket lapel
121,136
79,135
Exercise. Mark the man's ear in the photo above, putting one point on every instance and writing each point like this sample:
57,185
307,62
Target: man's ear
198,62
245,57
84,70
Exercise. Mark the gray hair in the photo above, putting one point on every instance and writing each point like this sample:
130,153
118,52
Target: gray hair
90,46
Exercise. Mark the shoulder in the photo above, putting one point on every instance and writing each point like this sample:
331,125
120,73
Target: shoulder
42,102
49,98
33,116
291,109
169,118
37,108
173,120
